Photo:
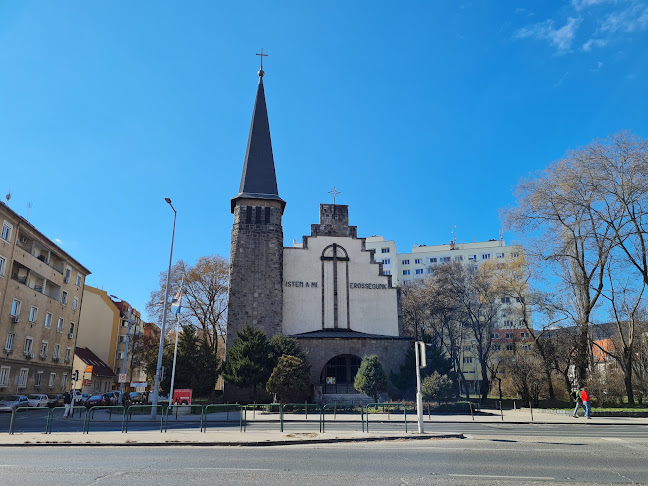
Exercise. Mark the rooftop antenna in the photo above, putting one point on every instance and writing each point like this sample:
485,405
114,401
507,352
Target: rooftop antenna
454,234
8,197
29,206
501,237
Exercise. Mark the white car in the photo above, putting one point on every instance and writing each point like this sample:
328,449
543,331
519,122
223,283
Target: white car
37,400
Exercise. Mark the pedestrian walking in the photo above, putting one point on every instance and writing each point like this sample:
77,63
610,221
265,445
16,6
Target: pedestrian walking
67,401
586,402
579,403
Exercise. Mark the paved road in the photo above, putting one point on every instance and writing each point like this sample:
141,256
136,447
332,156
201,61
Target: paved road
518,460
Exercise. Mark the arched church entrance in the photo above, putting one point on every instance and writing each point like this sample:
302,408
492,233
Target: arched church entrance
339,373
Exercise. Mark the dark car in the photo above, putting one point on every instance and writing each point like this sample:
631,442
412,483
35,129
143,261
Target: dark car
113,396
136,397
98,400
55,401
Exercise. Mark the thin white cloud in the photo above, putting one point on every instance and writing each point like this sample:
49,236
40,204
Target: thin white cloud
597,68
631,19
561,38
58,241
561,80
594,43
583,4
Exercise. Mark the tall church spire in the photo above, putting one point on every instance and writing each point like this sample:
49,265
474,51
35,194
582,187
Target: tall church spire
258,180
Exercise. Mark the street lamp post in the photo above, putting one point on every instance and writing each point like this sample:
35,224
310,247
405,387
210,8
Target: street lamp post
175,356
158,369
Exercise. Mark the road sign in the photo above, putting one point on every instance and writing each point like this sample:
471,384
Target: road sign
122,377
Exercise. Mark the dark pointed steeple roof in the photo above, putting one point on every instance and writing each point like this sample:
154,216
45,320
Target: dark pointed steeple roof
258,180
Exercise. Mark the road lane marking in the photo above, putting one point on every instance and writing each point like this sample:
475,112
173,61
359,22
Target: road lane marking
224,469
543,478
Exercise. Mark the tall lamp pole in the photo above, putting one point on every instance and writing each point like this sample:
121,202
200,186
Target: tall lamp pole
158,369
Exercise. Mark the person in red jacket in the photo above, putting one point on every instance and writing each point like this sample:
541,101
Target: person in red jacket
586,401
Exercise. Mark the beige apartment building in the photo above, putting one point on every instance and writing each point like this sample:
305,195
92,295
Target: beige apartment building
104,332
41,290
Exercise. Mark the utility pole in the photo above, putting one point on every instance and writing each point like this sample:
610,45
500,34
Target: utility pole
419,348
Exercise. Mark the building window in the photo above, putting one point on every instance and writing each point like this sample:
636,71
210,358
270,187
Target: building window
43,352
417,261
467,347
508,335
39,378
6,231
499,255
59,325
429,270
444,259
406,272
433,260
387,272
4,375
15,308
122,338
78,280
467,360
52,379
386,261
384,250
495,335
71,333
48,320
524,335
405,262
57,351
68,353
508,323
406,281
515,255
497,347
509,347
3,262
120,355
459,258
506,300
419,271
75,303
29,343
33,314
22,377
64,298
68,273
64,380
9,343
486,256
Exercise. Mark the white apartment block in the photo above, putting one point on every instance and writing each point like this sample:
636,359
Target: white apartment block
405,267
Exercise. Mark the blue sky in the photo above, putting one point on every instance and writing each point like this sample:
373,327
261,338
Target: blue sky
423,114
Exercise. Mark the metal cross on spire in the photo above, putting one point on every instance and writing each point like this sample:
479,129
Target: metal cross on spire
261,73
334,192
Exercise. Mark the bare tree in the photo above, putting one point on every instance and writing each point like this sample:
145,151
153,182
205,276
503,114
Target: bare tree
628,313
556,210
204,301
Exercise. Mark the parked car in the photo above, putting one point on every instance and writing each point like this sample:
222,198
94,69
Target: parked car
80,398
114,397
37,400
55,401
12,402
137,397
98,400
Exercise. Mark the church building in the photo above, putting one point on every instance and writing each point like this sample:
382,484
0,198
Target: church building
328,292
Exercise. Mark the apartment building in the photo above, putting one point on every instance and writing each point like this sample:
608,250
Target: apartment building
419,263
41,292
104,333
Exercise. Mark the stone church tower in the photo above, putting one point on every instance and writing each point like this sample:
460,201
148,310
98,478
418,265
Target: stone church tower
256,257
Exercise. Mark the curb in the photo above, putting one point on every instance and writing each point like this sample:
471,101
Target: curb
235,444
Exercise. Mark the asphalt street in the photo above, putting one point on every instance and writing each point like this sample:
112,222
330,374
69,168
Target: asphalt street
479,459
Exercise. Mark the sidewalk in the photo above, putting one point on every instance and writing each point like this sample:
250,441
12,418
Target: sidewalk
220,437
